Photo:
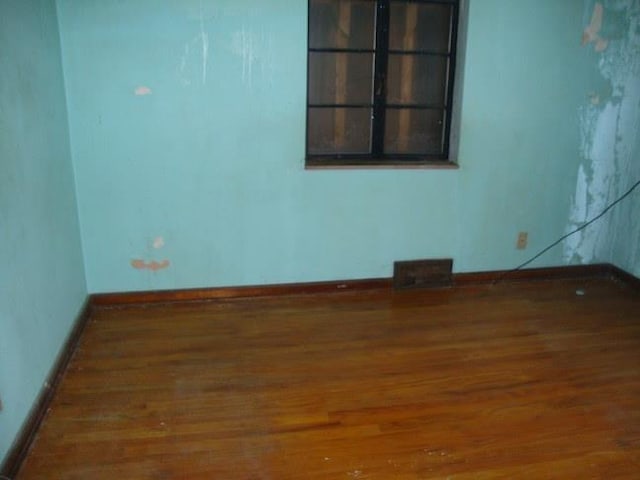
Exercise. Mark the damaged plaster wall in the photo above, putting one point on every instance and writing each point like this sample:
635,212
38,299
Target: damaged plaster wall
610,138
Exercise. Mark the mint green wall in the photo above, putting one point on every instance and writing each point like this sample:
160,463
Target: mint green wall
610,140
211,158
42,282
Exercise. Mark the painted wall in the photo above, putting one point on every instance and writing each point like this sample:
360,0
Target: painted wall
42,283
187,120
610,139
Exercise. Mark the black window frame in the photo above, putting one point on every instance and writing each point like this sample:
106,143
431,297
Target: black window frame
381,52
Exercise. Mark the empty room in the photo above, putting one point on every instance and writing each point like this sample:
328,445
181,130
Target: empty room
319,239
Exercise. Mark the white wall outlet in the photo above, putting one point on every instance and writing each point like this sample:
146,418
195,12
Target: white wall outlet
523,239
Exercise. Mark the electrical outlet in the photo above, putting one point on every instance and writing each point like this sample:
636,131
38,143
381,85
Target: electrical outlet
523,238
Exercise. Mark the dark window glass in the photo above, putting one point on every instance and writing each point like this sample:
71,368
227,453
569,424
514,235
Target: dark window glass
410,131
420,26
343,78
380,80
339,130
341,24
417,79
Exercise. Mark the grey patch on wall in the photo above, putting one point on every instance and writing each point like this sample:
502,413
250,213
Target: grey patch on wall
609,126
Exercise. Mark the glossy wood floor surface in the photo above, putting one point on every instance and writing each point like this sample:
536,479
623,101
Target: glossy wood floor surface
510,381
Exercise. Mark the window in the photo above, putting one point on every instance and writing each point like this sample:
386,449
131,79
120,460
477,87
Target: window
380,81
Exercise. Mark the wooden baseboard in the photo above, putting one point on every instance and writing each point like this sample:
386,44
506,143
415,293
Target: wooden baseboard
625,277
603,270
195,294
599,270
20,448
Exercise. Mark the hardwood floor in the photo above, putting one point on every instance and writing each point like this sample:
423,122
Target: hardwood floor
527,380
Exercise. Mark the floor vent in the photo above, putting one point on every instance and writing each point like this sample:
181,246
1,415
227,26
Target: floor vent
422,273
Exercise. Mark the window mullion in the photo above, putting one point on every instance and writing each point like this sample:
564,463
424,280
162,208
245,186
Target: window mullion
453,35
380,77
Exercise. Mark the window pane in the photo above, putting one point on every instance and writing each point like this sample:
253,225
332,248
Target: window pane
417,79
339,78
341,24
339,130
415,26
414,131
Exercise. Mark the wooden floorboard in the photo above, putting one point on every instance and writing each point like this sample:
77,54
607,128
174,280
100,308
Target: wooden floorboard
527,380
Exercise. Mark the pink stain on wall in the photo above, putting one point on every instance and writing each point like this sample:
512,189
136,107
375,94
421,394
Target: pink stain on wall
153,265
142,90
592,31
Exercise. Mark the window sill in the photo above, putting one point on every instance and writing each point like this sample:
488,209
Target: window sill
387,165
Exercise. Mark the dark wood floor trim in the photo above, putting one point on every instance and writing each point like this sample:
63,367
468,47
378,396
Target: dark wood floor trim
598,270
459,279
22,443
168,296
621,275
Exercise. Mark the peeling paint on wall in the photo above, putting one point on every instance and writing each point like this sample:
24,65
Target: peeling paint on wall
610,125
592,32
154,266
